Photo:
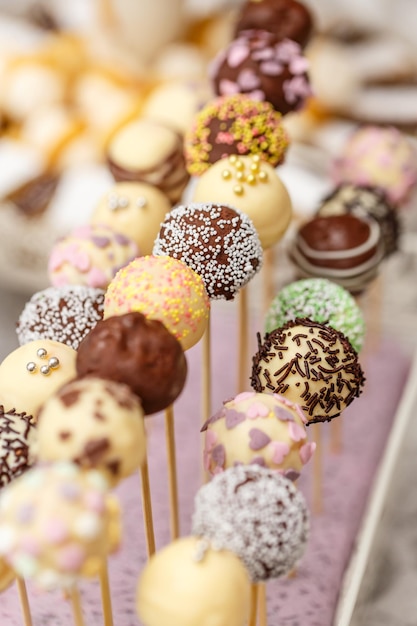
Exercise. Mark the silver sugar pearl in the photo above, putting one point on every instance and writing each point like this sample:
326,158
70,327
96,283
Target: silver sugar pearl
31,367
113,202
141,202
53,362
123,202
45,370
41,352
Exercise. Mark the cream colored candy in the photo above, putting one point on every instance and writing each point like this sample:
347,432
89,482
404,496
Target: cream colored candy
262,428
251,185
134,209
95,423
33,372
57,523
165,289
189,584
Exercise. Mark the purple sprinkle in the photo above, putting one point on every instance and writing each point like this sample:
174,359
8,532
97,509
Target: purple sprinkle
283,414
24,514
70,491
258,439
292,474
100,242
218,455
121,239
258,460
233,418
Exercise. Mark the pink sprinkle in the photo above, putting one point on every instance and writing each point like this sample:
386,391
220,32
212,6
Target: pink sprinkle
97,278
296,432
257,95
228,87
299,65
30,545
280,451
56,531
257,409
307,451
248,80
94,501
244,395
237,54
71,558
271,68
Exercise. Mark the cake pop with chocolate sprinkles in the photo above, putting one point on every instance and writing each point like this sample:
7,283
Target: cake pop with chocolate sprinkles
17,440
139,352
260,428
234,125
165,289
95,423
64,314
322,301
256,513
218,242
263,67
311,364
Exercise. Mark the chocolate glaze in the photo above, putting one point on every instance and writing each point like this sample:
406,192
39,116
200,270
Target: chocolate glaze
139,352
33,198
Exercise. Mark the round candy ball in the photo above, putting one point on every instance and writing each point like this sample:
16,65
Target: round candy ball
188,583
165,289
134,209
57,523
252,186
256,513
139,352
17,440
234,125
257,428
217,241
322,301
378,156
64,314
89,255
33,372
311,364
261,66
95,423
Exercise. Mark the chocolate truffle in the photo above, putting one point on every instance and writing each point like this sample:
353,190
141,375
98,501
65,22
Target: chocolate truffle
343,248
17,437
139,352
365,202
264,68
286,19
312,365
256,513
235,125
64,314
148,152
217,241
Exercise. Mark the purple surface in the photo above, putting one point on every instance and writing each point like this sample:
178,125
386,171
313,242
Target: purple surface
310,598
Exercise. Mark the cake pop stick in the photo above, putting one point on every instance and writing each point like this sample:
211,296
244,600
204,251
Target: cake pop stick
262,605
106,594
253,604
206,373
317,506
74,596
268,277
243,348
172,473
147,509
24,601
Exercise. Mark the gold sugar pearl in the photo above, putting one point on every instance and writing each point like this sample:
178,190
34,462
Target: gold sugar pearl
226,174
241,177
263,177
232,159
251,179
238,190
239,165
254,167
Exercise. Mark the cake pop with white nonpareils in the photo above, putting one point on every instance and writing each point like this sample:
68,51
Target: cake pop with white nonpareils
322,301
256,513
260,428
191,582
33,372
165,289
17,440
217,241
95,423
311,364
65,314
58,523
252,186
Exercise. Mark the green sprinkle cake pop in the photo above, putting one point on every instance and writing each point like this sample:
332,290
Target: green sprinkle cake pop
322,301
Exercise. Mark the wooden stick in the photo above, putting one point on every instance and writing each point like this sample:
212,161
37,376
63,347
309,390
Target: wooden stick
172,473
336,436
268,278
106,595
317,506
147,509
24,601
253,604
262,605
243,348
74,597
206,372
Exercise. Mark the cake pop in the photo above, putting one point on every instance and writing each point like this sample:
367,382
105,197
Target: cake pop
256,513
261,428
57,523
134,209
378,156
95,423
322,301
65,314
89,255
234,125
190,582
139,352
17,439
257,63
218,242
146,151
252,186
311,364
33,372
344,248
165,289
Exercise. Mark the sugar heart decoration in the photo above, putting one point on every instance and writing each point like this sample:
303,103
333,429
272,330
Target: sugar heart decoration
237,54
282,414
257,409
296,432
244,395
218,455
280,451
233,418
307,451
258,439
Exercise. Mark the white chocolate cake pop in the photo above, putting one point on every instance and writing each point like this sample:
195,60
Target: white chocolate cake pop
33,372
260,428
95,423
57,523
189,583
17,440
256,513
